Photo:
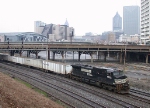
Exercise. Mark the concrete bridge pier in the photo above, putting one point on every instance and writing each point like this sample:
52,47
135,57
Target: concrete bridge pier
117,56
28,53
91,57
147,58
36,54
79,54
53,55
98,55
105,55
62,54
73,55
20,53
108,54
48,54
120,57
12,52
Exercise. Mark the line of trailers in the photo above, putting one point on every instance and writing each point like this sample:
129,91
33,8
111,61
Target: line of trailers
108,78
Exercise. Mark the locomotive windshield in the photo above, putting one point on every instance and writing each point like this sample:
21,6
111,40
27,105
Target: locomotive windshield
117,73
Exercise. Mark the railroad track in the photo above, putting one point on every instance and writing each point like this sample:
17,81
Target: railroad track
139,98
135,95
140,92
93,92
76,96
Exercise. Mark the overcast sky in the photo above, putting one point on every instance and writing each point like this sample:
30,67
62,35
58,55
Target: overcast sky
84,15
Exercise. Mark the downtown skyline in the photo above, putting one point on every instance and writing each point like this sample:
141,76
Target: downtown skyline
89,16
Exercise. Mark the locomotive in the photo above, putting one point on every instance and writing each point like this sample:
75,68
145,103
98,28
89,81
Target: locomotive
108,78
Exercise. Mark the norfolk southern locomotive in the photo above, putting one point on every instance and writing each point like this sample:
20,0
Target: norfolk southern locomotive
108,78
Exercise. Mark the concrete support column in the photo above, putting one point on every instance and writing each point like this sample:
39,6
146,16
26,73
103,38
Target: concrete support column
73,55
120,57
53,55
48,54
98,54
62,54
12,53
65,54
91,57
105,55
28,53
20,53
147,58
117,56
36,54
108,54
79,54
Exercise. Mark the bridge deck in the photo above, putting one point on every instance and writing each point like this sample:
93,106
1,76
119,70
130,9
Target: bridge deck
77,47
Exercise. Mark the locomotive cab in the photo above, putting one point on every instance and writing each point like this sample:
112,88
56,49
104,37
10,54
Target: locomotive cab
115,80
120,81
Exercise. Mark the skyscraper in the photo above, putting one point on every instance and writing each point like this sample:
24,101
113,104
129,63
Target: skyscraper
145,20
117,22
131,20
66,23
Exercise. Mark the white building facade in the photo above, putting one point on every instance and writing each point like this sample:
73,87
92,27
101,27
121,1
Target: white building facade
145,21
130,38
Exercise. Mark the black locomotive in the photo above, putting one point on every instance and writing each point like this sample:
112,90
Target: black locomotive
108,78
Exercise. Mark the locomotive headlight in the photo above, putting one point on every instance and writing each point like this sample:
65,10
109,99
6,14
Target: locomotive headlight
119,81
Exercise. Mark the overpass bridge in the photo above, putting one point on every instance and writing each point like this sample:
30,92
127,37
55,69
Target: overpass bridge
126,52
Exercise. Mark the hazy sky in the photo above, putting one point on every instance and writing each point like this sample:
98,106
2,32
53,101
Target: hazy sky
84,15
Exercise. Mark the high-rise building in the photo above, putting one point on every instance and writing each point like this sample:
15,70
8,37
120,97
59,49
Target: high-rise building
117,22
145,20
131,20
54,32
66,23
